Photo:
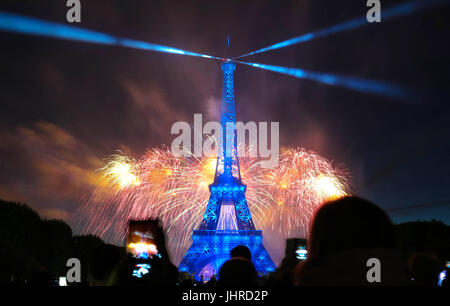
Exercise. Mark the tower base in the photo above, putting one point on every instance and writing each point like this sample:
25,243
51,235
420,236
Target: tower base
211,248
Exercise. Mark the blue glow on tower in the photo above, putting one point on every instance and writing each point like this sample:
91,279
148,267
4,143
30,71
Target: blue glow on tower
227,221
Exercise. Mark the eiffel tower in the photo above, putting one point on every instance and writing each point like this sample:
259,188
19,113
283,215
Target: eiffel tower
227,221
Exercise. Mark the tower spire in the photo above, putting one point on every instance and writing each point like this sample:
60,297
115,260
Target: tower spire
227,169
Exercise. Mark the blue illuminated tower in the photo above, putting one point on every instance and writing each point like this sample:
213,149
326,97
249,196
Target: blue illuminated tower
227,221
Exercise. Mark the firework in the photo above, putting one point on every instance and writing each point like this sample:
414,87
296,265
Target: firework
299,184
175,190
120,172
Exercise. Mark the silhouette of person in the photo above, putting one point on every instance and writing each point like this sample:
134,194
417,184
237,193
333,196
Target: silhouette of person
425,269
212,281
345,234
238,270
283,275
241,251
40,277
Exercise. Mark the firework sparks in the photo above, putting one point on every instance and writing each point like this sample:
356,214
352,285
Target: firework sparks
120,172
175,190
299,184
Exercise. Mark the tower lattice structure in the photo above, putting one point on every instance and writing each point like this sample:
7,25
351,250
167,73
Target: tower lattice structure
227,221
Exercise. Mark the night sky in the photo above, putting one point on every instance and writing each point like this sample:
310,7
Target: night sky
65,106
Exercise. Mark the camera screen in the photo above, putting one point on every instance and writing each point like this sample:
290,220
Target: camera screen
141,242
301,252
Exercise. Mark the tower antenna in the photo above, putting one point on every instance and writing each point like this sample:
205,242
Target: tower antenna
228,47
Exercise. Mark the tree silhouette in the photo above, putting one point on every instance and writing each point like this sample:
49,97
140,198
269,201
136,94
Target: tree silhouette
36,250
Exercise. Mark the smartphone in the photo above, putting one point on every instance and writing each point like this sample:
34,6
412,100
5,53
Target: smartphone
296,247
142,247
141,239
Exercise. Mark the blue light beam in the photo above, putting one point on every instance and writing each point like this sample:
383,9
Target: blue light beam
33,26
357,84
395,11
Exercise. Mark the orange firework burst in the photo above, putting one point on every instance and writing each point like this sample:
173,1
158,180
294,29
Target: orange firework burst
299,184
175,190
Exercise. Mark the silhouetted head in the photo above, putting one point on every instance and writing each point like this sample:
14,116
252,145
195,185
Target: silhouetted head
241,251
425,269
349,223
345,233
238,272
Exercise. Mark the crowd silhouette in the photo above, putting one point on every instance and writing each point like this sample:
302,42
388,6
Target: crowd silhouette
344,234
